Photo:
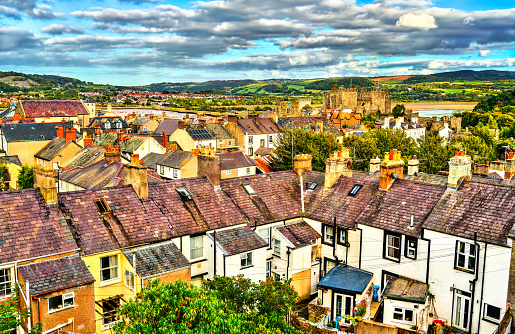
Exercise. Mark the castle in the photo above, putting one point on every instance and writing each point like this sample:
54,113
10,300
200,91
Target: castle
359,101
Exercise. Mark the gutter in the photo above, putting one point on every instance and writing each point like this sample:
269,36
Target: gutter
428,255
335,235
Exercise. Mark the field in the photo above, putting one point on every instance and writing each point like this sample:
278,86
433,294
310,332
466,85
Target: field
443,106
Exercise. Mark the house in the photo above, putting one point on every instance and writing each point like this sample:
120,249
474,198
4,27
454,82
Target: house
253,132
143,124
225,141
236,164
344,118
25,140
13,165
55,111
176,164
86,156
192,136
315,124
108,123
412,129
59,149
168,126
130,144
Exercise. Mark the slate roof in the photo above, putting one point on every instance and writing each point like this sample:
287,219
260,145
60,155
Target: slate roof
234,160
157,259
132,143
53,108
406,289
217,131
8,113
50,150
54,275
238,240
264,151
303,122
168,126
132,221
29,228
346,278
86,156
198,132
10,159
102,120
18,132
392,210
175,158
299,234
150,160
487,209
259,126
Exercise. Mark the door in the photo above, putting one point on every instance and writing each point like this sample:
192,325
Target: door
462,303
315,277
343,306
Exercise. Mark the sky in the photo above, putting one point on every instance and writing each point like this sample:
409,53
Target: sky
138,42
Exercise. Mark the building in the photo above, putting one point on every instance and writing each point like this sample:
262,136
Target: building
59,149
13,165
316,124
55,111
292,108
412,130
175,164
225,141
360,101
253,132
346,118
108,124
192,136
236,164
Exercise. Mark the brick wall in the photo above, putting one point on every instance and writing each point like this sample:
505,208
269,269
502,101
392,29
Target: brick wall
183,275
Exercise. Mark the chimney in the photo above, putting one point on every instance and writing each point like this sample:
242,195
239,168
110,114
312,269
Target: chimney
341,164
60,131
232,119
164,140
136,175
112,154
97,131
398,122
88,141
460,168
375,165
391,169
16,118
320,123
173,146
413,166
498,167
202,122
509,168
301,163
45,179
481,169
196,151
108,107
164,115
209,165
253,116
119,136
71,135
182,125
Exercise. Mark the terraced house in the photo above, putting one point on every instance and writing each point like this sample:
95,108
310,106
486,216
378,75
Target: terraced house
338,235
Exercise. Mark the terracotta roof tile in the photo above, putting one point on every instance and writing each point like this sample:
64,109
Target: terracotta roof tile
53,108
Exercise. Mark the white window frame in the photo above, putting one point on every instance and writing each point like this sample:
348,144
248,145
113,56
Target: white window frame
262,142
269,268
467,256
328,237
63,297
6,285
402,312
129,279
107,125
389,246
277,247
486,317
251,140
175,173
460,302
162,170
228,171
265,236
246,260
117,266
411,250
195,248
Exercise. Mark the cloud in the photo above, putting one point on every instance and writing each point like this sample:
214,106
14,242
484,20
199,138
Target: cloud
9,12
59,29
419,21
15,39
140,1
21,5
44,12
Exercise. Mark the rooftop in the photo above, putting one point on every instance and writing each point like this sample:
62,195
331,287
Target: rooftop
168,126
53,108
299,234
238,240
346,278
217,131
406,289
234,160
258,126
17,132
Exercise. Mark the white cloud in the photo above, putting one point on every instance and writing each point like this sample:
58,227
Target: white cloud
484,53
419,21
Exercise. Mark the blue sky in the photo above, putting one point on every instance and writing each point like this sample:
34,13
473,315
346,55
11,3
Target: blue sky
144,41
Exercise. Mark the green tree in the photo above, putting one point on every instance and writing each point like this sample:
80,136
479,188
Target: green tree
433,154
319,145
26,177
388,139
398,110
11,316
4,174
362,149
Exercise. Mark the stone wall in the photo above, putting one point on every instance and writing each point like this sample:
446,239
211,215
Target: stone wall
306,327
316,311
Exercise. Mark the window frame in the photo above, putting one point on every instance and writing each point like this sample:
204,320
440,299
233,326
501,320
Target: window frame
251,151
175,173
247,170
247,257
466,255
116,316
386,246
63,297
102,206
268,268
408,247
490,319
250,140
8,283
355,190
268,239
277,243
117,266
200,237
345,234
127,277
325,234
403,313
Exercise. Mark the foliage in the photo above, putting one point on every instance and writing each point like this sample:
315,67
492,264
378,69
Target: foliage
174,308
499,101
26,177
398,110
11,316
4,173
464,75
318,144
388,139
362,149
433,155
361,308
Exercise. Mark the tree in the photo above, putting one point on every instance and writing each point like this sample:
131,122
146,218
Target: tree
398,110
433,154
319,145
388,139
11,316
4,174
174,308
26,177
362,149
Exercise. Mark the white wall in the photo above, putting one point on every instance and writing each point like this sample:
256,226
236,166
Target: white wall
256,142
168,172
390,304
150,145
243,171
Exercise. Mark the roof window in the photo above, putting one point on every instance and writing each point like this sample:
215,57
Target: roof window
184,192
313,186
249,189
102,205
354,190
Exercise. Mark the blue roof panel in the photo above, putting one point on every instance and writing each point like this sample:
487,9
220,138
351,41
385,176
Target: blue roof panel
346,278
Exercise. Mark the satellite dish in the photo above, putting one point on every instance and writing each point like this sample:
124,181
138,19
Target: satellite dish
394,176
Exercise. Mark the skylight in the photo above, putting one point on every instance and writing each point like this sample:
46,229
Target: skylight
102,205
249,189
184,193
313,186
355,190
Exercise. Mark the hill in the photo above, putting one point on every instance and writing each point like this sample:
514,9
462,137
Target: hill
16,81
462,76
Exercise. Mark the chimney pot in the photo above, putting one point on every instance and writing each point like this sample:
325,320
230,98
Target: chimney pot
71,135
60,131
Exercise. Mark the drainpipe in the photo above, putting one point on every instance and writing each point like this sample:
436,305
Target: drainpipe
428,255
288,252
482,288
224,264
214,251
135,273
335,235
360,245
301,195
473,282
27,301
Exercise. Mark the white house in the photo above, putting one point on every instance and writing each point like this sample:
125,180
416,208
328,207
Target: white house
412,129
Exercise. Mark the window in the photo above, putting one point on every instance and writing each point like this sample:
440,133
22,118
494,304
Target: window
184,192
465,256
268,268
251,140
393,247
403,315
410,248
109,315
247,170
230,143
56,164
102,205
129,279
271,139
262,142
249,189
108,268
61,301
328,234
107,125
176,173
228,171
251,151
342,236
277,247
162,169
354,191
196,247
313,186
145,129
246,260
265,234
492,313
5,282
119,125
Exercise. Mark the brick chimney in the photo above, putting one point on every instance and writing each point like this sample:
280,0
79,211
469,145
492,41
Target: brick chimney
232,119
112,154
375,165
337,164
301,163
413,166
509,168
60,131
460,168
164,140
481,169
320,123
498,167
202,122
136,175
45,179
253,116
88,141
119,137
182,125
172,146
391,169
71,135
209,165
16,118
97,131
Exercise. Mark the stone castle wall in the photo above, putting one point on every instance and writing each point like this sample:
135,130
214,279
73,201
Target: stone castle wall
360,101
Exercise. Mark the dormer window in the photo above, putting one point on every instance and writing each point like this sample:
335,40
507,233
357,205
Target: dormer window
184,193
102,205
249,189
354,191
313,186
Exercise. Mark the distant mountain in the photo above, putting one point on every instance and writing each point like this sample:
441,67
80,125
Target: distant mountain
16,81
214,85
465,75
